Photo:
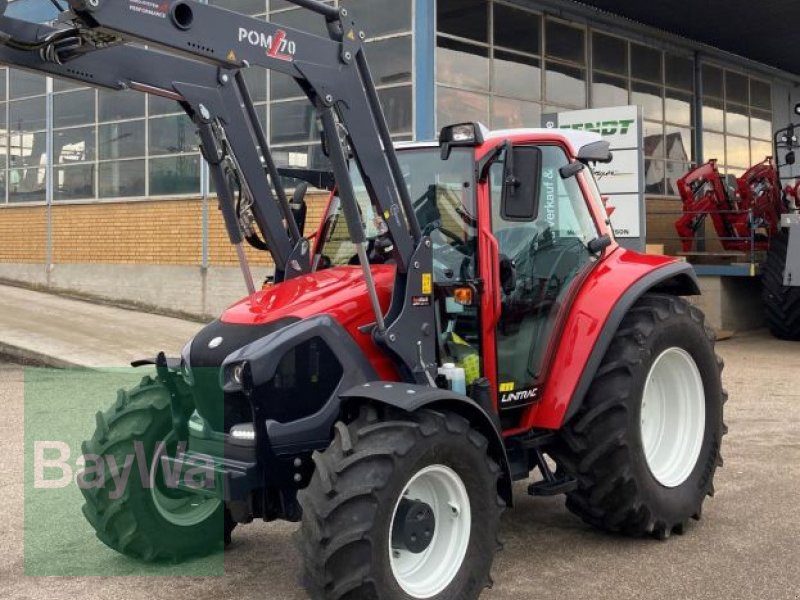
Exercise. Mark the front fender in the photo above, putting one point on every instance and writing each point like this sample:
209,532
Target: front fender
410,398
594,317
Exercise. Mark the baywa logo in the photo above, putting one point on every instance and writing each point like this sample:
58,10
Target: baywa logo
277,45
115,472
521,396
612,127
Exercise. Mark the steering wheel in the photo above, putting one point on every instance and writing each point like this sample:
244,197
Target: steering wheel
567,249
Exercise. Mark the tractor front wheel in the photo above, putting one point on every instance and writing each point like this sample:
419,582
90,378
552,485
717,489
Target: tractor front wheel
146,518
645,444
400,507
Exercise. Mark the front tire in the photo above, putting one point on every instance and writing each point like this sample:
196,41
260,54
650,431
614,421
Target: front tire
354,539
645,444
147,519
782,303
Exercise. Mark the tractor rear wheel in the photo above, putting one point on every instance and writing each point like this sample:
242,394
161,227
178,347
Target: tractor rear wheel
782,303
401,506
645,444
148,518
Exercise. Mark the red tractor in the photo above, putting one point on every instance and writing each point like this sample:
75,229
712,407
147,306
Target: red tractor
759,214
461,318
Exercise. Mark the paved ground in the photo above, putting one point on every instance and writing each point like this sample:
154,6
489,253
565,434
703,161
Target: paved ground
745,547
38,325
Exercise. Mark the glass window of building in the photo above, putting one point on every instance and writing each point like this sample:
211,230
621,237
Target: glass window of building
175,175
466,19
23,84
122,179
609,54
74,143
737,119
380,17
290,121
516,29
565,42
565,73
646,64
462,65
517,75
27,145
492,69
489,70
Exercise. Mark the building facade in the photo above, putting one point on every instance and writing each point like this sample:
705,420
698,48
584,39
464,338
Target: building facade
90,177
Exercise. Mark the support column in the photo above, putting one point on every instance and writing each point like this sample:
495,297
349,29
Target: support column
424,70
49,181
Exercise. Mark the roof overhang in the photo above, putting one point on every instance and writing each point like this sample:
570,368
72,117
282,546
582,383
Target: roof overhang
766,32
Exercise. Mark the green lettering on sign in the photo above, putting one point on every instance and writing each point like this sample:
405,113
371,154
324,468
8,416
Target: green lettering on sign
611,127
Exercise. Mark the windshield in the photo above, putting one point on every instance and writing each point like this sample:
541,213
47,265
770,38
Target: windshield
443,195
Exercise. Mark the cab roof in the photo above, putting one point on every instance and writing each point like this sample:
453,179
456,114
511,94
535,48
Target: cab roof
574,138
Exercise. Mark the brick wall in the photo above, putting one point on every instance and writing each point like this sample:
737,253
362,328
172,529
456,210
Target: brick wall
169,232
23,235
158,232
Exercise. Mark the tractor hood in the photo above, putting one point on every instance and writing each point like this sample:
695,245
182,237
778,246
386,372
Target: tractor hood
340,292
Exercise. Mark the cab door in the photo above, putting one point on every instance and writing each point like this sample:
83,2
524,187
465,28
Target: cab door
540,258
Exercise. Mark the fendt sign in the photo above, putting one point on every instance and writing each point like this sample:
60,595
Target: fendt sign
606,128
622,180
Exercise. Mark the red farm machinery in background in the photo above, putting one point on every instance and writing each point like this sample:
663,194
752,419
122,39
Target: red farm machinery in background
758,214
745,216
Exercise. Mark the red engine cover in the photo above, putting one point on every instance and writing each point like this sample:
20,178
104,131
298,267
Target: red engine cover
339,292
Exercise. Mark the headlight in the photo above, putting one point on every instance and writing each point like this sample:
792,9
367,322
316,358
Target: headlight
237,373
186,367
243,432
234,375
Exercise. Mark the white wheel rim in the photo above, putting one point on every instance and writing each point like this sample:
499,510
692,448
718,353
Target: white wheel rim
183,510
673,417
426,574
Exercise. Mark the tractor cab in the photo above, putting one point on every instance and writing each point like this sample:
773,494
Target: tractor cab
514,218
463,315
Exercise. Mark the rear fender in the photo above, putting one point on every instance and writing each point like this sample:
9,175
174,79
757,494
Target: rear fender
676,278
411,398
602,303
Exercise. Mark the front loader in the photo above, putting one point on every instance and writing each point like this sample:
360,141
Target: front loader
461,319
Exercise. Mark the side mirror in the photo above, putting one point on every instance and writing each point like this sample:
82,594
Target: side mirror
597,245
298,205
508,274
790,157
522,175
571,169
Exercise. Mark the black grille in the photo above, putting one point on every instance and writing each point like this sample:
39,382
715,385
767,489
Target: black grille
305,378
205,361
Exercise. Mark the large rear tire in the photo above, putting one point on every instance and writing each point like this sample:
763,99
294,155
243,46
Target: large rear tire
388,483
148,520
782,303
645,444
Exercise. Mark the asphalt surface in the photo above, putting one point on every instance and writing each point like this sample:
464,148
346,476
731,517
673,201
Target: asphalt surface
62,331
745,547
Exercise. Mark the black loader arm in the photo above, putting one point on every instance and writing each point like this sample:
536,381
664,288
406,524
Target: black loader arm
194,55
